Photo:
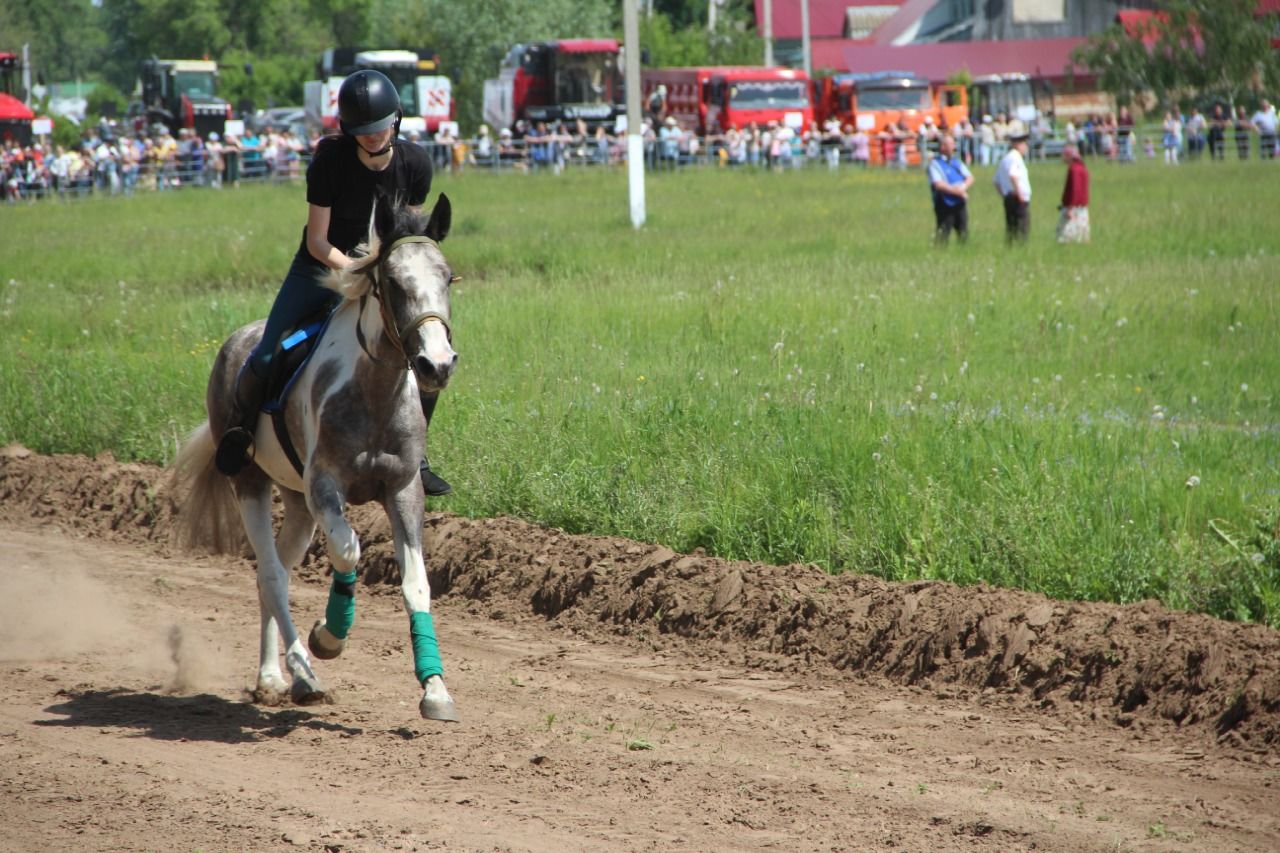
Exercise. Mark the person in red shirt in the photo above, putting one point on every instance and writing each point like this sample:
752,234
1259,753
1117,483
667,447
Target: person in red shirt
1073,220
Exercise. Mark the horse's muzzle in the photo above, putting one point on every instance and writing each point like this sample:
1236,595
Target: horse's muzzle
434,374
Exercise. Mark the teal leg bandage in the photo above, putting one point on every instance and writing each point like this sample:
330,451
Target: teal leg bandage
426,651
341,610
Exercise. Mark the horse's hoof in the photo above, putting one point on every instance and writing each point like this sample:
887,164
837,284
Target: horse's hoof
438,709
306,691
322,642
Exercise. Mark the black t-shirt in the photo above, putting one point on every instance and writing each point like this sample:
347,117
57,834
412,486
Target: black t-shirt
336,179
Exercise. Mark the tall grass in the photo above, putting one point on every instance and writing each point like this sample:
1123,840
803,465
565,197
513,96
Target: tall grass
777,367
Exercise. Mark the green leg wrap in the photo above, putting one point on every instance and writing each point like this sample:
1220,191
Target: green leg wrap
341,610
426,651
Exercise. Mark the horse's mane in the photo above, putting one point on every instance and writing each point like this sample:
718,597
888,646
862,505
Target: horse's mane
353,282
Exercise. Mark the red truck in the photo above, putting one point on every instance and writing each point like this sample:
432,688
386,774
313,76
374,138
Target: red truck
562,80
714,99
15,117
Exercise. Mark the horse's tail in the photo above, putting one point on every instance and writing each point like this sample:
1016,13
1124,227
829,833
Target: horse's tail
208,517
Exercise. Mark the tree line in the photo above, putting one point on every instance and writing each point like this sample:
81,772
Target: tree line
267,49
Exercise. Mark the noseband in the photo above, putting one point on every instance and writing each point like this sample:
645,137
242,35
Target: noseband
399,339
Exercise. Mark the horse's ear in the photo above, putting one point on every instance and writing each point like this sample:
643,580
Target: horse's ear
384,213
441,218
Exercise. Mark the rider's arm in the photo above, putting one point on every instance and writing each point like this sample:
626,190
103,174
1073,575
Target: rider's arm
318,239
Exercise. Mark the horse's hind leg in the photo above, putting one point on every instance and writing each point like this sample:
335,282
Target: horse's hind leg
253,491
405,513
291,546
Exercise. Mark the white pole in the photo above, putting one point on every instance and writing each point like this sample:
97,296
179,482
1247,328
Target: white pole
804,36
768,33
635,141
26,73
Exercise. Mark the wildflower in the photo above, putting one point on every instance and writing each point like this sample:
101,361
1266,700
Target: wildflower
1244,386
875,457
1256,557
640,378
1193,481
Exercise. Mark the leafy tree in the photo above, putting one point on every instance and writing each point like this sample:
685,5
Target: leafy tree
1190,49
733,42
66,39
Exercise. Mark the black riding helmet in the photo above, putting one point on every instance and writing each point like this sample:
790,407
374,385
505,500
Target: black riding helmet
367,103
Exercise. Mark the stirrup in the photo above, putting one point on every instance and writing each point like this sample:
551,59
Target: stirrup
432,483
235,451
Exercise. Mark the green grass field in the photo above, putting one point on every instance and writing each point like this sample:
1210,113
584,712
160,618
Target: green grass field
777,367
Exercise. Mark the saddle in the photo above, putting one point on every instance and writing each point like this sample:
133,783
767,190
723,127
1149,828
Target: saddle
292,354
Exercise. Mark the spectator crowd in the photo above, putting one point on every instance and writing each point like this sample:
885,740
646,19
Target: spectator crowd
108,160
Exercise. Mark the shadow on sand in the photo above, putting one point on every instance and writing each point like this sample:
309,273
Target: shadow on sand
203,717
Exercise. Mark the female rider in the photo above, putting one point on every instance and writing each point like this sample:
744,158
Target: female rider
345,174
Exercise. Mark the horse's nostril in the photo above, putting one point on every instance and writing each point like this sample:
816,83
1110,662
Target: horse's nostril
424,366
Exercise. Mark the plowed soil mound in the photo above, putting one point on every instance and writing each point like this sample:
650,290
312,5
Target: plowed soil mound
1111,663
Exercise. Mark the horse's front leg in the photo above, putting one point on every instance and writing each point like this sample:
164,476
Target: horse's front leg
329,635
404,510
253,493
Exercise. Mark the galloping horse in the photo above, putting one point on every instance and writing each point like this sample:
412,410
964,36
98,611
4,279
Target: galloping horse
353,414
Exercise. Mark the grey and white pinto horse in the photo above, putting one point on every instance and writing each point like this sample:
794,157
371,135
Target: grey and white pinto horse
355,419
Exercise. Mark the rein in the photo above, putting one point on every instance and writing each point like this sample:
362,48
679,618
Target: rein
399,339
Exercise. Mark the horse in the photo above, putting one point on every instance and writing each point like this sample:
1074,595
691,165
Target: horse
356,434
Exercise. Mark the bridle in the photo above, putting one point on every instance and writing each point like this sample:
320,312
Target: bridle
399,339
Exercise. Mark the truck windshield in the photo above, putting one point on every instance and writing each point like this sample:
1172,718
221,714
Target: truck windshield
896,98
1009,96
194,84
768,95
585,78
405,80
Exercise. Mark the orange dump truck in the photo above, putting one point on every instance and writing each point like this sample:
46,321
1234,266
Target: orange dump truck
875,103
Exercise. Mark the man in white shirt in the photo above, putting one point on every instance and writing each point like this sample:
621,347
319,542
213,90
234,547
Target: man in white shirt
1014,185
1265,121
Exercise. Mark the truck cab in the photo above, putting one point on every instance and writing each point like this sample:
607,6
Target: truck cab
181,93
426,94
711,100
568,79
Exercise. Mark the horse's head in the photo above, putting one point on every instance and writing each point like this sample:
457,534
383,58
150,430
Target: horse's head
409,277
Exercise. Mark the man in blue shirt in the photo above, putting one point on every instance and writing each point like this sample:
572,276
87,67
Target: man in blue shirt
949,180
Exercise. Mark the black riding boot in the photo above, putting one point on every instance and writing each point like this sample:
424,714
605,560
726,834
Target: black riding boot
433,484
235,449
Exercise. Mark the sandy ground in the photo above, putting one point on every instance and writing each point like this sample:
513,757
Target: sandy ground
614,696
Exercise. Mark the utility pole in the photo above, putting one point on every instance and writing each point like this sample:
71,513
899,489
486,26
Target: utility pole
635,141
804,36
768,33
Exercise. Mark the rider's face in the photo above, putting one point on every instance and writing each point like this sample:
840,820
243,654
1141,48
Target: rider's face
374,142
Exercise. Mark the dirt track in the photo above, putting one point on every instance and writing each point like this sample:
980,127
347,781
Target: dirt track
615,696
